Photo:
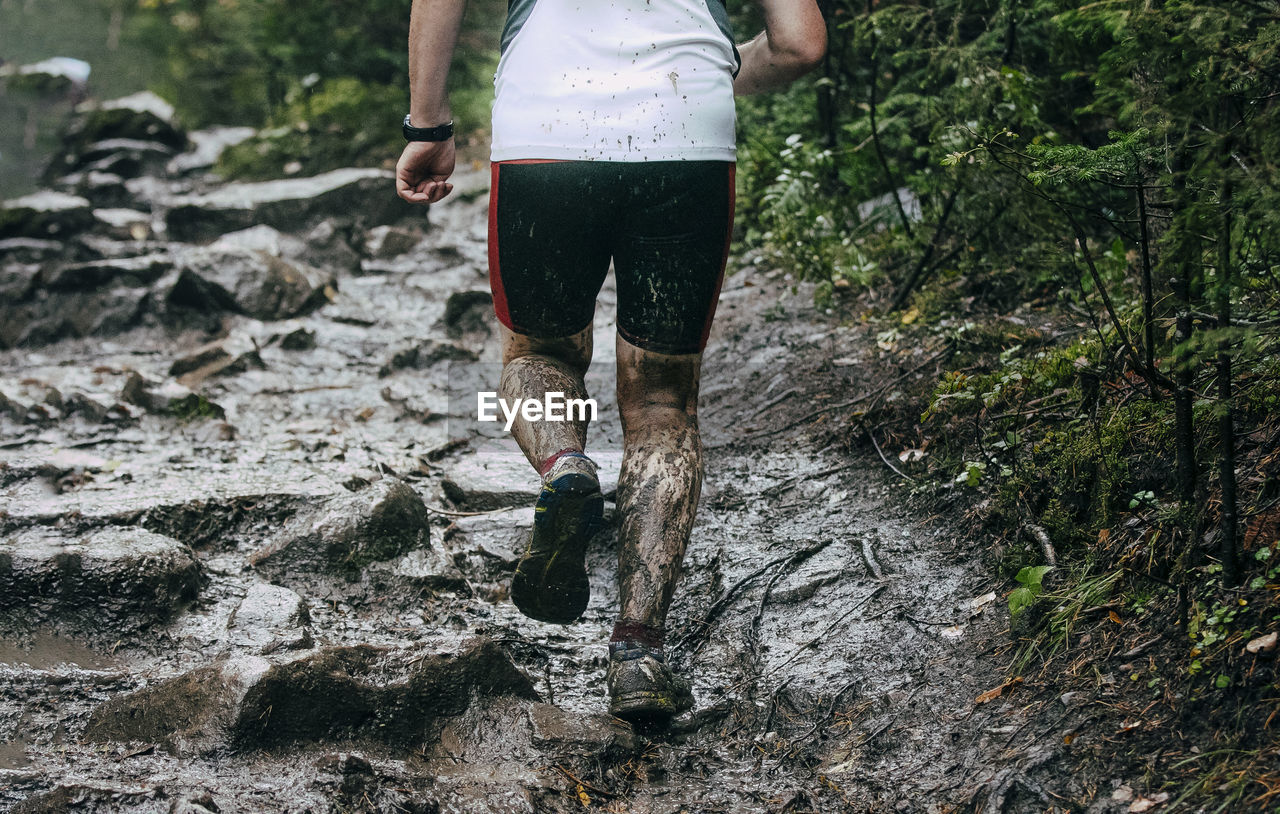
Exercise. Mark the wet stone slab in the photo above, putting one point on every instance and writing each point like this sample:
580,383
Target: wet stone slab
348,532
270,618
291,204
245,281
396,697
110,574
498,476
573,734
189,492
81,797
45,214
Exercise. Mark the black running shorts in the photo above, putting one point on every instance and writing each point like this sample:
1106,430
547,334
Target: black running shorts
554,226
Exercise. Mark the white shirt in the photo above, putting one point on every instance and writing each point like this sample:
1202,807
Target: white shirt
635,80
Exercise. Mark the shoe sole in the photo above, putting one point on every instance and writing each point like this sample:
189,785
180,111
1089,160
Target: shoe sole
550,583
646,707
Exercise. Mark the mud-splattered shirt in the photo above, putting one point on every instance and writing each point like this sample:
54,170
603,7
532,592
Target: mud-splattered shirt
634,80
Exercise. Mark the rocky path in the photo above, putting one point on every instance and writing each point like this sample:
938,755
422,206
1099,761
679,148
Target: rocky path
254,551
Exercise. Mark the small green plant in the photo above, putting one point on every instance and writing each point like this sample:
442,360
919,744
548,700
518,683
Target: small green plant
1260,581
1032,585
1143,498
194,406
971,474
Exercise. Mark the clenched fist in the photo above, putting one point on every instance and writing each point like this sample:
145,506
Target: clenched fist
422,173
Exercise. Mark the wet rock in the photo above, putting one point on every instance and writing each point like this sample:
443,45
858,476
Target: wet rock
244,281
425,354
88,799
499,537
207,356
262,239
206,147
191,713
334,694
46,405
362,195
108,574
195,804
468,312
491,480
56,76
46,318
132,272
270,618
45,214
169,398
805,587
346,533
331,245
102,189
18,281
301,339
497,476
386,242
326,247
205,505
140,117
92,246
123,224
18,250
123,157
226,357
425,569
576,735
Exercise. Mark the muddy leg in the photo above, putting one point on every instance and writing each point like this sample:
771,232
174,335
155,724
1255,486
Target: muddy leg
533,367
661,477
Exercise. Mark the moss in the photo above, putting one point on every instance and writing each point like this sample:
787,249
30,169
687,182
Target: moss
194,406
342,123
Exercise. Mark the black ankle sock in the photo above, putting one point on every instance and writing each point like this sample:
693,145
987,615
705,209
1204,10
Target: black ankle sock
628,631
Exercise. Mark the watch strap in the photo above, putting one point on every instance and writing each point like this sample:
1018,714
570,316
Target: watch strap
442,132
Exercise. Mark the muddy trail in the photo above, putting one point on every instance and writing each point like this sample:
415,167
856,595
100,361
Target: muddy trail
255,549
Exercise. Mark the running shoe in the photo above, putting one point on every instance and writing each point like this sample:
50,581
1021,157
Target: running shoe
642,688
550,583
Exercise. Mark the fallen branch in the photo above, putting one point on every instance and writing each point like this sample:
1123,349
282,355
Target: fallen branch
753,632
831,707
727,597
869,557
781,485
880,452
829,628
774,403
1041,536
800,649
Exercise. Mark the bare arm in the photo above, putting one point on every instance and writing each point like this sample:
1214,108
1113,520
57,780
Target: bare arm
793,42
424,168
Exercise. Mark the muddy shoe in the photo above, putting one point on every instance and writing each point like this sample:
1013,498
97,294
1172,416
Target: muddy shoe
642,688
550,583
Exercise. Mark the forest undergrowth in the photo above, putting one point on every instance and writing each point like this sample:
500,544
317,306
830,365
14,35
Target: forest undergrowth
1071,207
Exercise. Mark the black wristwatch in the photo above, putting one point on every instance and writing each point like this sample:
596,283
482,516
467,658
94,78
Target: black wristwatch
443,132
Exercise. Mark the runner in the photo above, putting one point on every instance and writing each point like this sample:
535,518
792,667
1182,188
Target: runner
613,140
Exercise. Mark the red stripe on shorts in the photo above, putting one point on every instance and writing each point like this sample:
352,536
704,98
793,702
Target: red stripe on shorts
728,238
495,271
